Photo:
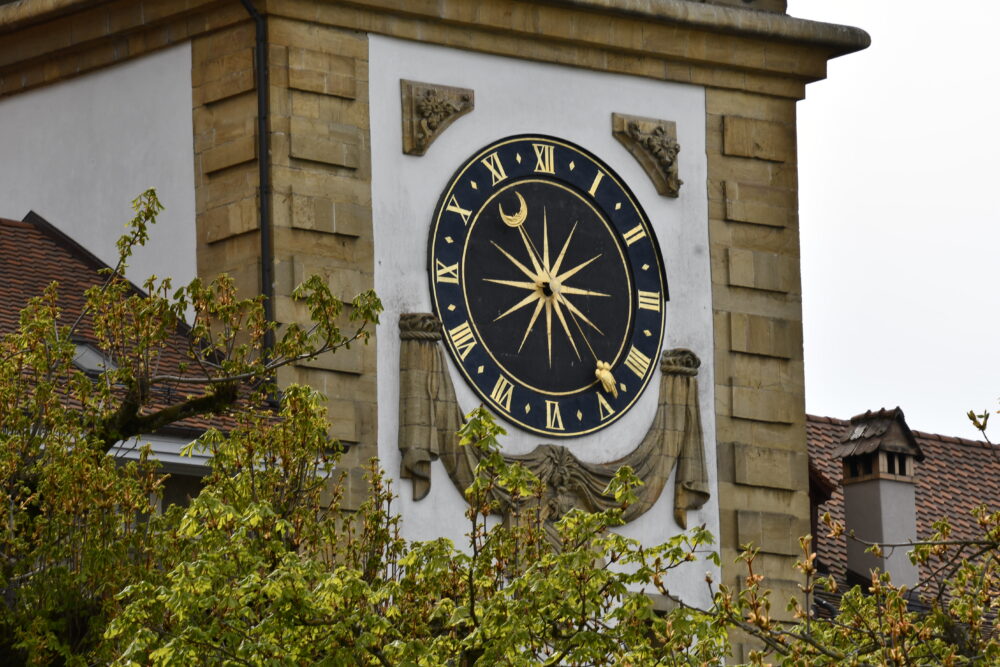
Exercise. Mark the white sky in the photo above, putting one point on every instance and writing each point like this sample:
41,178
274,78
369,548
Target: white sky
898,154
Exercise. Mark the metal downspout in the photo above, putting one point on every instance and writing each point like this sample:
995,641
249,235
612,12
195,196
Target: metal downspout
264,167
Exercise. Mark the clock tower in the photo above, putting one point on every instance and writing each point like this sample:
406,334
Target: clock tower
579,213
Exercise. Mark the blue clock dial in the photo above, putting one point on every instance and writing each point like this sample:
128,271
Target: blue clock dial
547,277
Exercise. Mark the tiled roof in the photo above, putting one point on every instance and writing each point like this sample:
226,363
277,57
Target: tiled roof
33,253
956,476
824,434
31,257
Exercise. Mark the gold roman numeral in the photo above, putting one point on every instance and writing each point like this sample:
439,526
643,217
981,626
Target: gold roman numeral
637,362
545,156
553,418
634,234
454,207
492,162
647,300
604,407
447,273
502,392
463,339
597,181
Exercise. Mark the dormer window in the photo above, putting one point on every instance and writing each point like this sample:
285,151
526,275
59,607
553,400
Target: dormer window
90,360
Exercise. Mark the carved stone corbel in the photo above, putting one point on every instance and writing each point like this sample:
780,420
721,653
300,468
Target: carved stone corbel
429,418
428,109
654,144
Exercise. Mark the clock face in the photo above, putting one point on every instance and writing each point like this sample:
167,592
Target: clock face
547,277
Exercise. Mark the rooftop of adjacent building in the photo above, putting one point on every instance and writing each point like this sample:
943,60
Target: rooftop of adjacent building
33,254
955,476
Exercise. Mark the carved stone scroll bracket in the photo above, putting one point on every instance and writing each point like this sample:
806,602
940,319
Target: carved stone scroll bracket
654,144
428,109
429,418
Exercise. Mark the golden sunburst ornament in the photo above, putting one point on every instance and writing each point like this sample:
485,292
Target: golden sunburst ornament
547,283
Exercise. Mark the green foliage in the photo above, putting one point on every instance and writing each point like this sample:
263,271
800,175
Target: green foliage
263,567
79,525
249,581
948,618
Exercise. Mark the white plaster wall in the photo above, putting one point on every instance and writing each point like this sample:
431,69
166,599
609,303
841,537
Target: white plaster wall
513,97
77,152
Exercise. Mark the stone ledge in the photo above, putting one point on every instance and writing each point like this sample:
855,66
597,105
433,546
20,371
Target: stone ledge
841,39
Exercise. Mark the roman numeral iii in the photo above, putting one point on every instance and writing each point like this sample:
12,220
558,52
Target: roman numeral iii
637,362
649,300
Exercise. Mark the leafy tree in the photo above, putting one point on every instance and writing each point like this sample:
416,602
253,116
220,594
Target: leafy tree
252,581
78,525
263,567
950,617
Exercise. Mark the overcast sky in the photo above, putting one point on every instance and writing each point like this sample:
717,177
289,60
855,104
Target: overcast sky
898,156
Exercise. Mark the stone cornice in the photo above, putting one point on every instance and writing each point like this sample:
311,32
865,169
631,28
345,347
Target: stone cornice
21,13
675,40
839,39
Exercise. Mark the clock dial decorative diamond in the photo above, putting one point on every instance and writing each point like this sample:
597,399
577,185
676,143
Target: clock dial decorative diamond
558,282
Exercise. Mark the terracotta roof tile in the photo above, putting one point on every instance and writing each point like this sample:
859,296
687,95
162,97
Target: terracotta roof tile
33,253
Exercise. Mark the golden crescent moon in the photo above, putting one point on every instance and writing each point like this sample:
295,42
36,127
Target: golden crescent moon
518,218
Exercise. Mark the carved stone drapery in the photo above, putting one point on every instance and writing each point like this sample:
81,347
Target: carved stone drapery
428,109
654,144
429,417
428,411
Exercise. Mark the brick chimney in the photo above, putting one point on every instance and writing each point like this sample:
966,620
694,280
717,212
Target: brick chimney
879,456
